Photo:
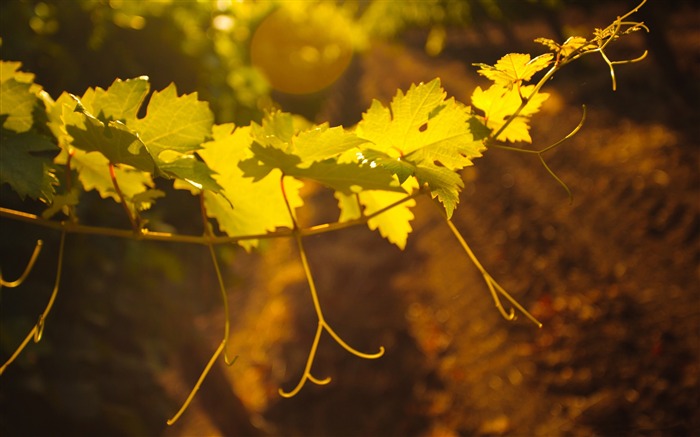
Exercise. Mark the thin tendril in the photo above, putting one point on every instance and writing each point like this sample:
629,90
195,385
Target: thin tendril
540,152
595,45
493,286
222,288
227,324
38,329
322,324
350,349
307,369
27,269
558,179
206,370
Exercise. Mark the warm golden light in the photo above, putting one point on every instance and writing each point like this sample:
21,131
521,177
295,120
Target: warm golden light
302,52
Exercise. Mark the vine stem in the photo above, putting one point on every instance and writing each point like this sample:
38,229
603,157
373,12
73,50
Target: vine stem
583,50
322,324
493,286
227,323
145,234
38,330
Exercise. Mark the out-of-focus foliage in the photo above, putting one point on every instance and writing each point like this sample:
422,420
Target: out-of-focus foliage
232,52
201,46
388,18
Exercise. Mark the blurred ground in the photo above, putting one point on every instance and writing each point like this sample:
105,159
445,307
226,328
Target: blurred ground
614,276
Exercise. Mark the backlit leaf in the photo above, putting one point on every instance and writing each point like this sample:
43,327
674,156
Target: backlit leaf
23,165
515,68
249,207
349,177
266,159
350,208
122,100
276,130
192,171
17,97
499,104
172,122
346,177
393,224
444,184
422,129
570,45
397,130
93,173
323,142
113,139
61,203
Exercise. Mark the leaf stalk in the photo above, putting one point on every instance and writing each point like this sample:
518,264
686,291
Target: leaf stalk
122,199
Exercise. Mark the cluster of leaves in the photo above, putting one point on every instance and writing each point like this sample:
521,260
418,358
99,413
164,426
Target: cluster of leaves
249,177
422,139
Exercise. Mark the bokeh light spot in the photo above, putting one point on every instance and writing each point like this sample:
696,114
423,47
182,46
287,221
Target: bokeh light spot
301,53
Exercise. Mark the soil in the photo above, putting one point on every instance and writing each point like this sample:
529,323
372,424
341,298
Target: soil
614,276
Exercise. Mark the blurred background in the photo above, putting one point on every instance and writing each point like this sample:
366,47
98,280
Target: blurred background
614,277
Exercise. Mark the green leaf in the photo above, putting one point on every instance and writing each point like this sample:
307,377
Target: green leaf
93,173
146,199
349,206
397,131
348,177
345,177
564,50
113,139
122,100
17,97
424,126
265,160
277,130
60,113
24,167
499,104
191,170
443,183
402,168
61,203
448,139
10,70
182,123
246,207
393,224
322,142
174,123
515,68
424,135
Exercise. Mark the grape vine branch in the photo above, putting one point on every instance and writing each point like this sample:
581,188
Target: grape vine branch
247,178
